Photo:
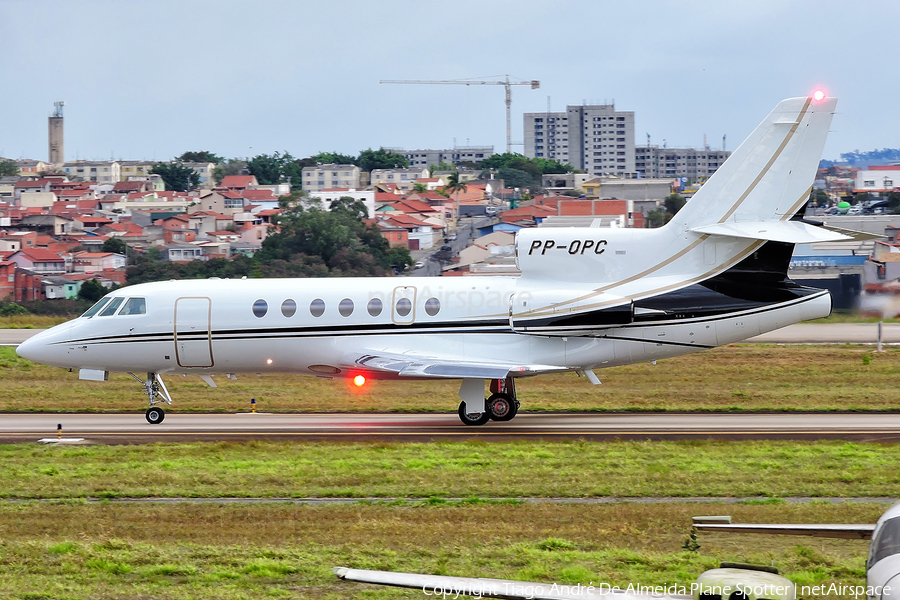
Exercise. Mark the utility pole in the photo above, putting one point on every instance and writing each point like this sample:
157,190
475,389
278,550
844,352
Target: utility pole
534,83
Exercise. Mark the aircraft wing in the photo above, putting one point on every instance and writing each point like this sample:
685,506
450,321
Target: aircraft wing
408,364
492,588
836,530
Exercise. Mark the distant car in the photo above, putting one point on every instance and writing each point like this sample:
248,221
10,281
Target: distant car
855,210
450,238
491,210
446,249
419,264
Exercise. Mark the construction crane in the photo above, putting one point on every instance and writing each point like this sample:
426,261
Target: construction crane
534,83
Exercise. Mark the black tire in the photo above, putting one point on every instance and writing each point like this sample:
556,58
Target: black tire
502,407
155,415
472,418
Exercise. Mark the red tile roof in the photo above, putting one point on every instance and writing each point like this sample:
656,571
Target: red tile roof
237,181
257,195
41,255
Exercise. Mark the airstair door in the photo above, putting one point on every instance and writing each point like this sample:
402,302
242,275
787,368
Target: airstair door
193,339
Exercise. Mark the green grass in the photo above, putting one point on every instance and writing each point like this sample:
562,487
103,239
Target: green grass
452,469
228,552
733,378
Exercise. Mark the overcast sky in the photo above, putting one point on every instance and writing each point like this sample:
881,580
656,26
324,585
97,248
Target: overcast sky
151,79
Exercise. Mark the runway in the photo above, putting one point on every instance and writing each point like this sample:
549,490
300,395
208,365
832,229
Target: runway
801,333
132,428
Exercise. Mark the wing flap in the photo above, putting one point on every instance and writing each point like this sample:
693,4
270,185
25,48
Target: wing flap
837,530
411,365
491,588
791,232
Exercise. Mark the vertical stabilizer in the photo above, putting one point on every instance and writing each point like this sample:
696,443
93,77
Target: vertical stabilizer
770,176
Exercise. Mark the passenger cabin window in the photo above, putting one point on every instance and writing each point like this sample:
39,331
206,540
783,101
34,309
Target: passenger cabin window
112,307
887,543
96,307
134,306
317,307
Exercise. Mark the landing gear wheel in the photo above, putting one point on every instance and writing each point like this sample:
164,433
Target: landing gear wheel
155,415
502,407
473,418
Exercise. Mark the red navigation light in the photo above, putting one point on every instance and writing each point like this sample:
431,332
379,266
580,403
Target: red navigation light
818,95
359,381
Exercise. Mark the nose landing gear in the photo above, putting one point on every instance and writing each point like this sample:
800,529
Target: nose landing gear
157,393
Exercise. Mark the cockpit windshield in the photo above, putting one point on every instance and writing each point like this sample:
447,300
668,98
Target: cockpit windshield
886,542
111,308
96,307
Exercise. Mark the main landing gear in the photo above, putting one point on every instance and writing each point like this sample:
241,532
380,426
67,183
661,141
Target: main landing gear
157,394
501,405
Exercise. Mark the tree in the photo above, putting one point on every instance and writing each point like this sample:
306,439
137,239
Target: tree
116,245
656,218
232,166
515,178
334,158
419,188
819,197
203,156
8,168
92,290
276,168
381,159
177,176
441,166
673,204
455,186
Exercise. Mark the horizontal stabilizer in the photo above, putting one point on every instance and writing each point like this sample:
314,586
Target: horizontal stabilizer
453,587
791,232
857,236
838,530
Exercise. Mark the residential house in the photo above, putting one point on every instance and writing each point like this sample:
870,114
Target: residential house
18,284
40,261
239,182
367,197
91,262
32,167
184,253
56,287
205,171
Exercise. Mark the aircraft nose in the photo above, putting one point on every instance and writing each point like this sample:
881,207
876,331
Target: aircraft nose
30,349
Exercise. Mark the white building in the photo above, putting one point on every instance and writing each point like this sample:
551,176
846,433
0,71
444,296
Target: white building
403,178
595,138
878,179
367,197
323,177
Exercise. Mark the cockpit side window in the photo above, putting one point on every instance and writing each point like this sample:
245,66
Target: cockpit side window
96,307
134,306
887,542
111,307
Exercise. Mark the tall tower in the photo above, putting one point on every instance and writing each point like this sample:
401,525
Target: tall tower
55,133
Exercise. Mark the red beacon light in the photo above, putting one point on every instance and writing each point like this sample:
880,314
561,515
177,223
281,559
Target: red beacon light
359,381
818,95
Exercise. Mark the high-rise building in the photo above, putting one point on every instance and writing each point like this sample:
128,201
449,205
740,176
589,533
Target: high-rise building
451,156
55,134
595,138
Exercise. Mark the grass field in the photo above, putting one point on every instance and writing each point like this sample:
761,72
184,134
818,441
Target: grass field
732,378
452,469
228,552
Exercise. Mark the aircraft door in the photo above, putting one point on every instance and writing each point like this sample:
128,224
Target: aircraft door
403,305
193,339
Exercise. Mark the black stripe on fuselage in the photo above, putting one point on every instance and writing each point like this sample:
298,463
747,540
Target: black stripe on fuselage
485,327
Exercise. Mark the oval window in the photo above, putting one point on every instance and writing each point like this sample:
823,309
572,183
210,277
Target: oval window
374,307
317,307
432,306
260,308
288,308
403,306
346,307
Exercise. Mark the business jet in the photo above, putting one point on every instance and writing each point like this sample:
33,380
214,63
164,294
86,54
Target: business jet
882,563
587,298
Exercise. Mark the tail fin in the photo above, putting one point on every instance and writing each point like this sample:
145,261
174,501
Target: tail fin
770,176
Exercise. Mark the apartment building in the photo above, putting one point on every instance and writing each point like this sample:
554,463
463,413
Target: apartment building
92,170
695,165
324,177
595,138
454,156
